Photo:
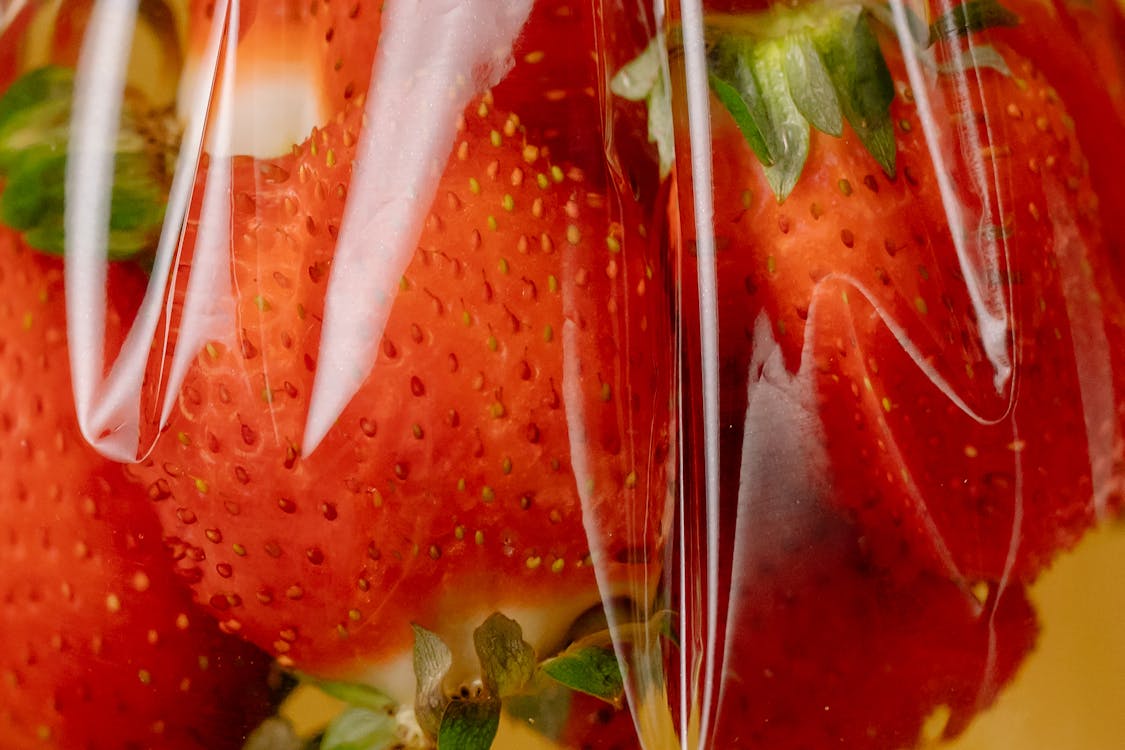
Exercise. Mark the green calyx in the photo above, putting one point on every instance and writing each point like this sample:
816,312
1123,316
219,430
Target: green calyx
509,669
817,64
537,693
35,117
784,70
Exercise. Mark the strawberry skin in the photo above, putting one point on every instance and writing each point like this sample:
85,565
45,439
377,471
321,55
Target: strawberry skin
943,461
593,724
520,398
1087,67
825,651
553,81
103,646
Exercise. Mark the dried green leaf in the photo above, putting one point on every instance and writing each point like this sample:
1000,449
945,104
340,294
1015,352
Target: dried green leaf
507,660
469,724
432,662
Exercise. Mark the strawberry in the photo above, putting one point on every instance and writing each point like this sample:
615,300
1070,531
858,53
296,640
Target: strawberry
553,83
1087,67
296,63
593,725
508,451
103,646
959,354
824,651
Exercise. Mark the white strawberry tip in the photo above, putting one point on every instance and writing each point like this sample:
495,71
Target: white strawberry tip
278,91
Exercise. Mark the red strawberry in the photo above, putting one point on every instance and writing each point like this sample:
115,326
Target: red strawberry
593,724
553,82
825,651
520,400
103,646
967,414
1086,70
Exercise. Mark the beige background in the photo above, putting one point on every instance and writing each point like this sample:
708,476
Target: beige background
1070,694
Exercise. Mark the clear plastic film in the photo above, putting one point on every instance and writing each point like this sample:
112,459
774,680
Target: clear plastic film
468,374
903,323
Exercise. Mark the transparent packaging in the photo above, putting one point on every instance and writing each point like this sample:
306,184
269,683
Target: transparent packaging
555,374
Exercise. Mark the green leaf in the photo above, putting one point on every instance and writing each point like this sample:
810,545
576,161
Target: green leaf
777,73
33,194
357,694
34,200
469,724
507,660
810,87
643,80
863,84
635,80
138,201
34,134
361,729
591,670
661,128
971,17
35,111
734,104
788,139
46,237
731,76
432,662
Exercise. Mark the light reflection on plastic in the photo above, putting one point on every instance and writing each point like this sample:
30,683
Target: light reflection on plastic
699,128
418,90
982,254
1091,353
109,408
8,14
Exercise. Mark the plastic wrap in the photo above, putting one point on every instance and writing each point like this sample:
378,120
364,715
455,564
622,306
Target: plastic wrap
539,373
